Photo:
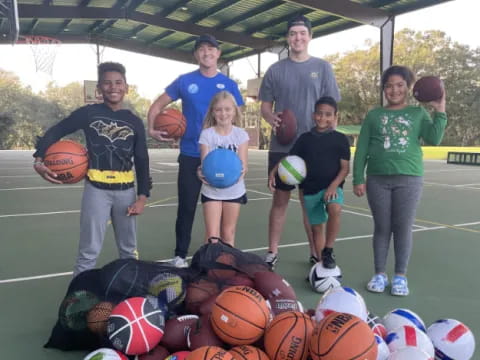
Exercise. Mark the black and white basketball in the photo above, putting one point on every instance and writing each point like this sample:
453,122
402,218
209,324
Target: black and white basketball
322,279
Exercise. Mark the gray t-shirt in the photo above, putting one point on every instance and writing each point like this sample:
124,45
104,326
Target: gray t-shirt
297,86
232,141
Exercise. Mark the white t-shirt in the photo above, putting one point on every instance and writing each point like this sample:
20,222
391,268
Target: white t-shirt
232,141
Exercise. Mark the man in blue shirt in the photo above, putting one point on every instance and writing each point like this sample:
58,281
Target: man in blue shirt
195,89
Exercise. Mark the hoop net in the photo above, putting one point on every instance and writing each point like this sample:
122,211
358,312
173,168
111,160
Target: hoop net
44,51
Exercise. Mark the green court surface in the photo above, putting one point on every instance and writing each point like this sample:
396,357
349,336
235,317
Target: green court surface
39,225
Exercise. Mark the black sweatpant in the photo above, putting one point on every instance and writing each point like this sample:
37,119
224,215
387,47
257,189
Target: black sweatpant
188,191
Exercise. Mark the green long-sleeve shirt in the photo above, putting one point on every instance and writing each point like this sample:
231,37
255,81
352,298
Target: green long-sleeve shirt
389,141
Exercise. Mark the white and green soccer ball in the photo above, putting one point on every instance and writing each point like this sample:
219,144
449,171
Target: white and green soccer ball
292,170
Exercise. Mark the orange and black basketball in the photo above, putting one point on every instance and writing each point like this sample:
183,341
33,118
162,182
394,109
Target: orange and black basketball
240,315
209,353
288,333
248,352
68,159
342,336
172,122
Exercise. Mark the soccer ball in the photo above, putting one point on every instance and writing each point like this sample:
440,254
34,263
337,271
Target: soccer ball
451,339
341,299
322,279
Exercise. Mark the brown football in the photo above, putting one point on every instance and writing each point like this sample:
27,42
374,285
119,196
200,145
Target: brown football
428,88
287,131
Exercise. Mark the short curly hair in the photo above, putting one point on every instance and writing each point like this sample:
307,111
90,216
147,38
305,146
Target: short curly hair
111,66
402,71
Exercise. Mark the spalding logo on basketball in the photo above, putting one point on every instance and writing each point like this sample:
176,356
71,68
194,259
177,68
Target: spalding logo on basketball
292,170
68,159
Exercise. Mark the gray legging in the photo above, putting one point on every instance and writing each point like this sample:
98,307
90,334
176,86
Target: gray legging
393,200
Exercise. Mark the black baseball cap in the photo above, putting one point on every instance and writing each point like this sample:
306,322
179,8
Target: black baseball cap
299,20
206,38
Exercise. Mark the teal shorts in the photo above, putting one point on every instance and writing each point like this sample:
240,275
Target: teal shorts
317,208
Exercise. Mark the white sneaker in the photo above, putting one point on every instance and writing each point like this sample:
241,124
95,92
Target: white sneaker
179,262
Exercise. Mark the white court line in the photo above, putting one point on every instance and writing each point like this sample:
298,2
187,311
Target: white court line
462,185
156,170
173,164
450,185
40,214
450,170
63,187
17,176
51,187
47,276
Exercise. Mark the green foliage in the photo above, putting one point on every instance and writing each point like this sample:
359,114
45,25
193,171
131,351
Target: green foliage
25,115
426,53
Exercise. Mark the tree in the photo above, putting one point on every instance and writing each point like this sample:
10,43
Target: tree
426,53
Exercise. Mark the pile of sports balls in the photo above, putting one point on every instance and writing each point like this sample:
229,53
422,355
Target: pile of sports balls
227,305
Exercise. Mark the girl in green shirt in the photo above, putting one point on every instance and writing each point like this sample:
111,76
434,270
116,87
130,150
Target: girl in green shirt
389,146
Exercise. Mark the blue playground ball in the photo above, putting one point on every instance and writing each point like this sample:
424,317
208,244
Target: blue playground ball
222,168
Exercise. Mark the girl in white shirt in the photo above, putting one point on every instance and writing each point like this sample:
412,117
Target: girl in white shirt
221,206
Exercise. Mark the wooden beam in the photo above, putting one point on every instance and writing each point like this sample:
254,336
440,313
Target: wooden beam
347,9
63,12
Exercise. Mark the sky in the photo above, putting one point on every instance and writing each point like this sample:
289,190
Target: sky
75,63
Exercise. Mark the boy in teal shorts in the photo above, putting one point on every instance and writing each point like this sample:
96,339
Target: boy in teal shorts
326,153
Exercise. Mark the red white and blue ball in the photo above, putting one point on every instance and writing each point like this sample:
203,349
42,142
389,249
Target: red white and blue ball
409,336
341,299
452,340
382,348
410,353
400,317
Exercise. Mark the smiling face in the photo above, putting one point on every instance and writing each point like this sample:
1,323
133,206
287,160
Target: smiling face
396,91
113,87
325,117
224,112
298,38
207,56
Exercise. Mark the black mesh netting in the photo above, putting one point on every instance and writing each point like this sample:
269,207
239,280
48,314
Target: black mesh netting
178,291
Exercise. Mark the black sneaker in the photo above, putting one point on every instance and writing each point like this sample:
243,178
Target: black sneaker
328,258
270,259
313,260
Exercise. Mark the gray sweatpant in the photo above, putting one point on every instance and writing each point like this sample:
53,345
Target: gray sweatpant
393,200
98,207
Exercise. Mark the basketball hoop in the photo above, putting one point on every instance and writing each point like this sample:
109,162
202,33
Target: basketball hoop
44,50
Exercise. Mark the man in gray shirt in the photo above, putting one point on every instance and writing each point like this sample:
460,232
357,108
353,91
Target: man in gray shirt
294,83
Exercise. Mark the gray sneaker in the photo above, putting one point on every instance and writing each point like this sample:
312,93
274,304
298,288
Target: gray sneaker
179,262
271,259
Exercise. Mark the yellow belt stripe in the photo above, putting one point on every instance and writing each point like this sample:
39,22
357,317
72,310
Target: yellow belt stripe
110,176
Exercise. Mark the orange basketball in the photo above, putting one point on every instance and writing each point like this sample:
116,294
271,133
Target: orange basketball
248,352
97,317
209,353
68,159
342,336
288,333
240,315
172,121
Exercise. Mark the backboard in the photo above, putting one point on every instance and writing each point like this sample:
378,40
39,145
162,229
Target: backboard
90,91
